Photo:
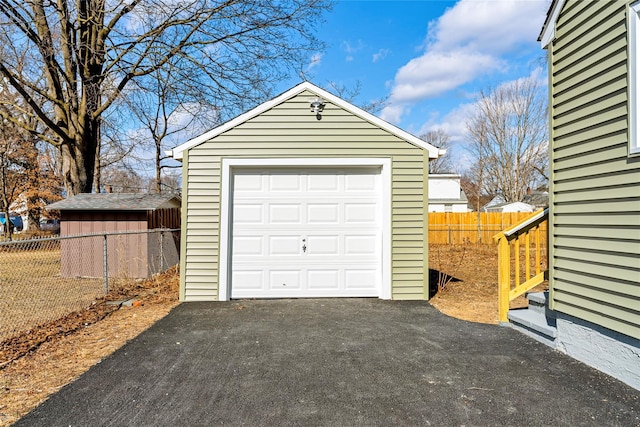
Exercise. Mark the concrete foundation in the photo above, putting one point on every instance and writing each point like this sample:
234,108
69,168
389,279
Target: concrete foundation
613,353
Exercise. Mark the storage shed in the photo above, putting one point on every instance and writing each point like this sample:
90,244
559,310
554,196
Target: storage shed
305,195
136,255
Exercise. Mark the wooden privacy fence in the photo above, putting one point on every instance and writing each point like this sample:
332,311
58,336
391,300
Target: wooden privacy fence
163,218
471,227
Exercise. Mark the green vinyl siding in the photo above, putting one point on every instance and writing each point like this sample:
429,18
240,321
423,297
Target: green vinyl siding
595,183
290,130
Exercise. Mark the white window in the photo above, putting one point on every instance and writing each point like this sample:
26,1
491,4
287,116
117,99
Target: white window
634,77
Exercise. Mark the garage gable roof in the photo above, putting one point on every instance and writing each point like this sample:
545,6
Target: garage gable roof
434,152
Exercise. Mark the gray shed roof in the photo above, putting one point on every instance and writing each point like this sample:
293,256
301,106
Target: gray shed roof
117,201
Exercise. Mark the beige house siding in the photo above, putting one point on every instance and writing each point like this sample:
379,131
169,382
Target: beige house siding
290,130
595,184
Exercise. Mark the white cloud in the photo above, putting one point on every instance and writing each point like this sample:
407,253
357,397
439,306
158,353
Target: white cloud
468,41
437,72
494,26
380,55
392,113
316,60
454,123
351,49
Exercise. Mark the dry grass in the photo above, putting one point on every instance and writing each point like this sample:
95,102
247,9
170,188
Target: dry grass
34,293
74,344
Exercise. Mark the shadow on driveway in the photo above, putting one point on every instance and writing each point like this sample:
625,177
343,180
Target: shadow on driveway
339,362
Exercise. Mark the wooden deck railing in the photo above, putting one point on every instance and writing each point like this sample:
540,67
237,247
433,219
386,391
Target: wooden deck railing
520,272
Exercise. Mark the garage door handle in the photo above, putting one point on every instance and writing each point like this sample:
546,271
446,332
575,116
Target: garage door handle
304,246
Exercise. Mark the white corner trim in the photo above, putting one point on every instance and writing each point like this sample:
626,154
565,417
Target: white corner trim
224,258
434,152
634,80
228,166
549,31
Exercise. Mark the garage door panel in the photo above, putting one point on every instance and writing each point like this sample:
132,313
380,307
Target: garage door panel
248,281
289,182
361,278
284,245
361,245
285,280
361,182
248,182
323,246
285,213
248,213
323,279
248,245
326,182
323,213
361,213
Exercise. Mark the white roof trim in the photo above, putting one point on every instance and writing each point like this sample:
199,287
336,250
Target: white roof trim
549,30
434,152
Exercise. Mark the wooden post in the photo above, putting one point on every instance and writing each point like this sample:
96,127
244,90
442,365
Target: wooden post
517,261
538,249
527,256
504,260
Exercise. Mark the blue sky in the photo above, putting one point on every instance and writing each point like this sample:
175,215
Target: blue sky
429,58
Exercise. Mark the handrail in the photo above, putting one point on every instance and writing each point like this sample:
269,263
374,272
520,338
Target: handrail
525,225
510,285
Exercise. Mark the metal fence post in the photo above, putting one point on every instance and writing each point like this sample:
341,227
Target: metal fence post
161,250
106,269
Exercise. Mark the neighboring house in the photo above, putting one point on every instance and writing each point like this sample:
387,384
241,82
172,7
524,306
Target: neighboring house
497,200
106,213
510,207
497,204
537,199
19,208
594,80
305,195
445,194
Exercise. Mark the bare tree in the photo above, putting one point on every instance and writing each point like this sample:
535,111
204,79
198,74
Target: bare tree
471,184
71,61
349,94
441,139
167,108
508,135
119,178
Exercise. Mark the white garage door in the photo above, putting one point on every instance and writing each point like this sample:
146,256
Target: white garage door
306,233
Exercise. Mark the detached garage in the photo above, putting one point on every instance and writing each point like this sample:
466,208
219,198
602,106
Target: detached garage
304,196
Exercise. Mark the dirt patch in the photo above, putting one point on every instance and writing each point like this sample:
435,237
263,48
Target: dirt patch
468,275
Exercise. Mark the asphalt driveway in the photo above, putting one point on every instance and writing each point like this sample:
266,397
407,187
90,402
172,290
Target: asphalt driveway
340,362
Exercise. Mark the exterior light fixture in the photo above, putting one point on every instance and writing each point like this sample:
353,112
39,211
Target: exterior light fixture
317,106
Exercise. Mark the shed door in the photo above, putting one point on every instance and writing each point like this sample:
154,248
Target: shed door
306,233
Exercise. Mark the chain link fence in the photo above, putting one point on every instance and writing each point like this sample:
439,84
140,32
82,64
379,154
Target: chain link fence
42,280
